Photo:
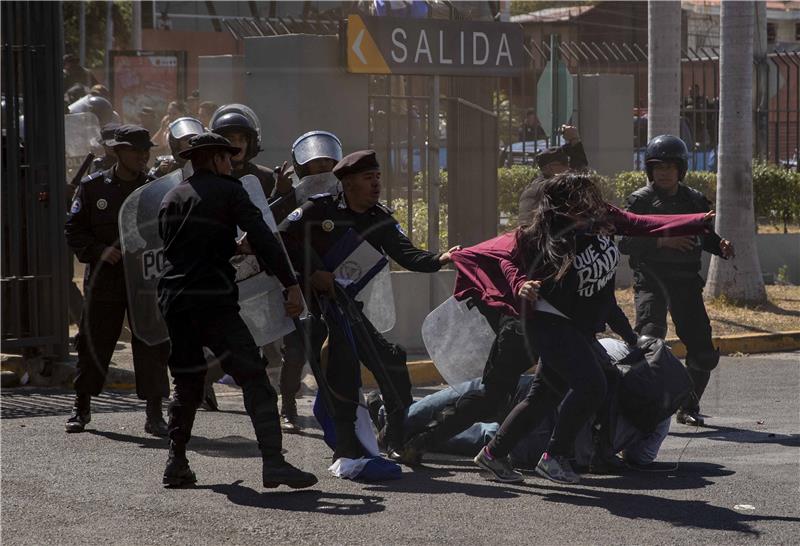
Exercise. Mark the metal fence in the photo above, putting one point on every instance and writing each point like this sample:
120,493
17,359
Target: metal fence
775,109
34,255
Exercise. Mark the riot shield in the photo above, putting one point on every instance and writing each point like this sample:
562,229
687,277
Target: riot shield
314,185
261,295
378,299
143,256
81,132
458,340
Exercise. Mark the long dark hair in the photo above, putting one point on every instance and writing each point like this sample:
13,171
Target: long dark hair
563,203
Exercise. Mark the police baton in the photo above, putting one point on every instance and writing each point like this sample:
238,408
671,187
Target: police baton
82,170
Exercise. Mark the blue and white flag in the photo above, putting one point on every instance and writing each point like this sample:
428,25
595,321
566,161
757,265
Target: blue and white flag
354,262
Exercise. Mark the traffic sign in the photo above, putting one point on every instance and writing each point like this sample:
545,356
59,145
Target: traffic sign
554,96
388,45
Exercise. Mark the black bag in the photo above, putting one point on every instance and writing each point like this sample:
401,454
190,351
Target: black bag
653,388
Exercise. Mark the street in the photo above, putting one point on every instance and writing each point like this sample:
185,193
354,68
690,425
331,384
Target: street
736,481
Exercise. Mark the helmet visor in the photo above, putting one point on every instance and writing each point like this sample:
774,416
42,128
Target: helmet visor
185,127
317,146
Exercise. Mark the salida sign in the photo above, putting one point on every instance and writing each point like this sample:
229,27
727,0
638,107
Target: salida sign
384,45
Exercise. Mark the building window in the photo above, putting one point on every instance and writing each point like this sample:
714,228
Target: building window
797,32
772,31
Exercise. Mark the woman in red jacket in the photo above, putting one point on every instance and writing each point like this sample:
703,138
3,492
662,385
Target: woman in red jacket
569,249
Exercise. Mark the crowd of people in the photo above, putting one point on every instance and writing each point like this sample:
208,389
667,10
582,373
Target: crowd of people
546,289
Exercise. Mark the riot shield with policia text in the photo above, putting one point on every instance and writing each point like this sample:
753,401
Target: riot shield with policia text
143,256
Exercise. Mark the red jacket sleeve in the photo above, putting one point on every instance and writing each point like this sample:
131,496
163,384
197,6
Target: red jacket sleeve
657,225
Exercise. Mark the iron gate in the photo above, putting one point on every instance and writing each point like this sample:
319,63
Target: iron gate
34,254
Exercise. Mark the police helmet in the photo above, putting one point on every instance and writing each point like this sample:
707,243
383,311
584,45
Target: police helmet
183,129
666,148
238,118
315,145
99,106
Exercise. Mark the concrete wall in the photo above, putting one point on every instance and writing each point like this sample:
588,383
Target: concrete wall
221,78
605,132
296,83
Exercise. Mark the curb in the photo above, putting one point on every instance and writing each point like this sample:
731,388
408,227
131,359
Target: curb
422,372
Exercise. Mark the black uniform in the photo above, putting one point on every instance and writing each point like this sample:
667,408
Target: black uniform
92,225
665,278
102,164
576,157
198,298
311,231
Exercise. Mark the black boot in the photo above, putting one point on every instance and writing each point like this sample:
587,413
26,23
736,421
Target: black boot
276,471
347,443
81,414
289,422
177,473
395,435
155,423
209,398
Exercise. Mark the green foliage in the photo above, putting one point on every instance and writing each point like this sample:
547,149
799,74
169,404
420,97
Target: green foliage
96,29
511,181
521,7
419,233
776,194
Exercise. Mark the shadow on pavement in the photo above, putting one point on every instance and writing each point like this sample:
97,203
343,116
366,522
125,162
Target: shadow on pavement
310,500
688,475
422,480
679,513
741,435
43,402
229,447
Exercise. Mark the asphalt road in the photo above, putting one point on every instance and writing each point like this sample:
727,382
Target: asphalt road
737,481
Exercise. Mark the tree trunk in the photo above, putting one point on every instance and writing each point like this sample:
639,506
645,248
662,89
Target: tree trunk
663,68
739,278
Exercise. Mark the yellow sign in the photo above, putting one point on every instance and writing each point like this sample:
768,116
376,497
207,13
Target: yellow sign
363,55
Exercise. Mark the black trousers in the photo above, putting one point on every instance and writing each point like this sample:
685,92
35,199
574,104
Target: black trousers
509,358
224,332
344,372
99,330
656,294
294,358
572,372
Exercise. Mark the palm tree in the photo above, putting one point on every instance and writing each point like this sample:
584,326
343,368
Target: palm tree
663,68
739,278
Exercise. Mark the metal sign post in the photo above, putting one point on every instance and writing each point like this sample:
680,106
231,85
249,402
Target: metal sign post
433,167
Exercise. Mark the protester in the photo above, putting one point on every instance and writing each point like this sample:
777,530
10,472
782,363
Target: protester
569,249
175,110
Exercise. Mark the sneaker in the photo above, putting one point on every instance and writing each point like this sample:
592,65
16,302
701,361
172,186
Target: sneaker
282,473
689,417
556,469
500,467
177,473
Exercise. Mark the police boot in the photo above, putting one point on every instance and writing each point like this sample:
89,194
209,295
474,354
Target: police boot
155,423
81,414
394,437
289,422
177,473
276,471
699,368
347,443
209,398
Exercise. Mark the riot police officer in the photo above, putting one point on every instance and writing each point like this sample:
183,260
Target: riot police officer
99,106
311,233
239,124
107,160
178,134
551,162
198,299
314,155
667,270
92,232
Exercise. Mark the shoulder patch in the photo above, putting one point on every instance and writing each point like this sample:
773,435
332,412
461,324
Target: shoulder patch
76,206
400,229
295,215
